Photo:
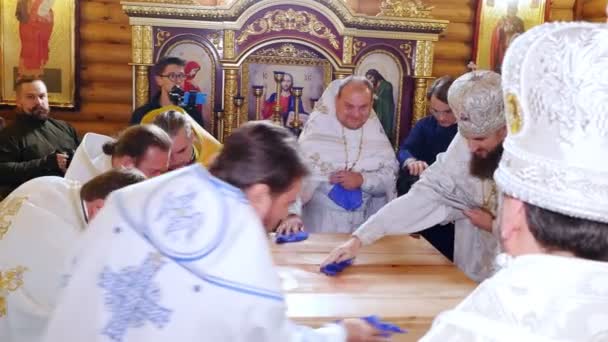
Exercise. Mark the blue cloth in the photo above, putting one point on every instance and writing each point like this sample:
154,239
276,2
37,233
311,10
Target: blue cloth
386,328
350,200
336,267
426,140
293,237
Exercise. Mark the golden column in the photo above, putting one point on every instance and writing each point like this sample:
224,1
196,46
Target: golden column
423,63
142,57
230,91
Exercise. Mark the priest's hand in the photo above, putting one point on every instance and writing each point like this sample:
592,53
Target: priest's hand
345,251
415,167
348,179
357,330
480,218
291,224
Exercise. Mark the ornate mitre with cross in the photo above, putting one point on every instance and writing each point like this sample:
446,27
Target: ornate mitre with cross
555,80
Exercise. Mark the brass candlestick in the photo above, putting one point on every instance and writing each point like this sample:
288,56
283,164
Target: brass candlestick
258,91
276,113
219,119
238,103
297,123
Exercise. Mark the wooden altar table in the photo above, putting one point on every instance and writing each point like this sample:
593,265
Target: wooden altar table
402,279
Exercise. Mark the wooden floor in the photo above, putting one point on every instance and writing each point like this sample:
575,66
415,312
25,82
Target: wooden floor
402,279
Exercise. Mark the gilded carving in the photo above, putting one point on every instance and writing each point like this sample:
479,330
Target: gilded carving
347,50
407,50
420,102
282,20
159,8
161,36
147,42
136,44
404,8
229,52
286,50
230,91
424,58
142,92
8,209
216,39
357,46
10,280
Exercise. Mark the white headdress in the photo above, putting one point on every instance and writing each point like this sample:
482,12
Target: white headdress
476,100
555,80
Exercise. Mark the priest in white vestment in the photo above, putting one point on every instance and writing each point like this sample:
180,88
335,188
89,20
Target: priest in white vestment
457,187
553,182
41,221
145,147
350,157
185,257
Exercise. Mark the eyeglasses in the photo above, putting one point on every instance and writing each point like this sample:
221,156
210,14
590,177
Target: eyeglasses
175,77
437,113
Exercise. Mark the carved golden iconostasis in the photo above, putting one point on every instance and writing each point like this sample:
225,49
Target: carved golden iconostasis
236,50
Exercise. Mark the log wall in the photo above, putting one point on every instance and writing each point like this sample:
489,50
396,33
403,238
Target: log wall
105,75
105,51
593,10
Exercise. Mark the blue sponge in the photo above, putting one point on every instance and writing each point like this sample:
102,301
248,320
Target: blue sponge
386,328
336,267
292,237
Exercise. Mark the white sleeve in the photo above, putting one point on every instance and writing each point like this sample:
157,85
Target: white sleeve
436,198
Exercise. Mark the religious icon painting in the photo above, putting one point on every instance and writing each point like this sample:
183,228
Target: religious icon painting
200,66
385,72
501,21
304,74
38,40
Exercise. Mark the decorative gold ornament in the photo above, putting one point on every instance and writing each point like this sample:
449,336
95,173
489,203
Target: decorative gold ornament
142,92
407,49
136,44
347,50
404,8
10,280
229,52
171,10
216,39
286,50
147,48
161,36
357,46
230,91
282,20
514,118
420,102
424,58
8,209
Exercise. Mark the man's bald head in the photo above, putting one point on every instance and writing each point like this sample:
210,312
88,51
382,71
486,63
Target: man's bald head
354,101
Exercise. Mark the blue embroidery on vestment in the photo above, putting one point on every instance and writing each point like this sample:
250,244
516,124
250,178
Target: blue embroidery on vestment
182,217
132,298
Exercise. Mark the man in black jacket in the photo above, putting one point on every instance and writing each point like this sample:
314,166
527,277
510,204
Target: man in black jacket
34,145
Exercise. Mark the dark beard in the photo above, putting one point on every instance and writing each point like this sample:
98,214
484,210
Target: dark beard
484,167
38,112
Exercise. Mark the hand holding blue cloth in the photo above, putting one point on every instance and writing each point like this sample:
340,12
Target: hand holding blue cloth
292,237
336,267
350,200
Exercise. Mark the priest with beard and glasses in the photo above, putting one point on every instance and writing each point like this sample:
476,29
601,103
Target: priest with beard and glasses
457,187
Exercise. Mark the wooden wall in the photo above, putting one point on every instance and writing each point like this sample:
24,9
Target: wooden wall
593,10
105,76
105,48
